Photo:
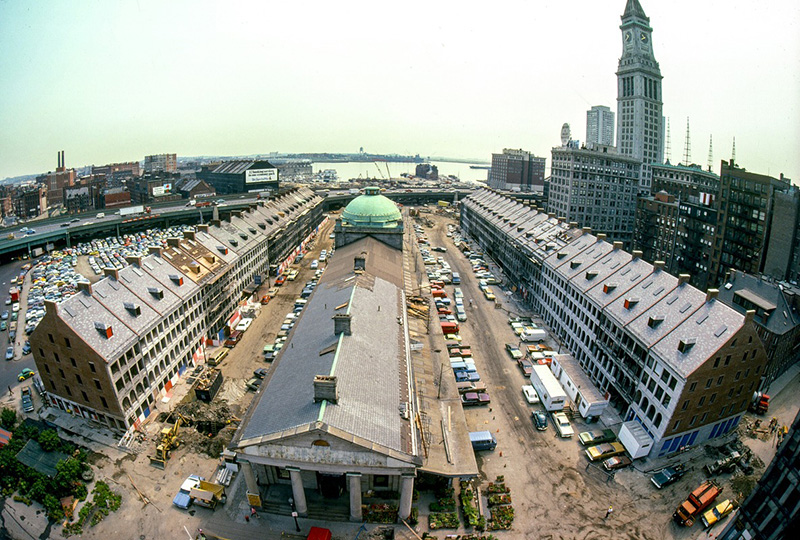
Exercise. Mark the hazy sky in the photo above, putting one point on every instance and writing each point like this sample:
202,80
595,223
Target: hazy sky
110,81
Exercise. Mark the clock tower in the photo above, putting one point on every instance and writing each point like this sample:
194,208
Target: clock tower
640,124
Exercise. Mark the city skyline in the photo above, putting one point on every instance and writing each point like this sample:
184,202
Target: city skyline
115,82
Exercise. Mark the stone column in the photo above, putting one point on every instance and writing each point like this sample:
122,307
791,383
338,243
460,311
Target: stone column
250,480
354,480
406,495
298,493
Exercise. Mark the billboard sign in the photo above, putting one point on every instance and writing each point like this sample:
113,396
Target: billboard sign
158,191
255,176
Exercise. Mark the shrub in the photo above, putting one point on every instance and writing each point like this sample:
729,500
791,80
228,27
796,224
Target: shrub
8,418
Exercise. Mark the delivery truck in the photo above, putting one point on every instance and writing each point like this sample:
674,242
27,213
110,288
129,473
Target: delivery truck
699,499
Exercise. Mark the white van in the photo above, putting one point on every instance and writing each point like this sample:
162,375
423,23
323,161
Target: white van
101,215
536,334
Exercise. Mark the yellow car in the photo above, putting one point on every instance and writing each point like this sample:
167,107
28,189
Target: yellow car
717,512
489,294
604,450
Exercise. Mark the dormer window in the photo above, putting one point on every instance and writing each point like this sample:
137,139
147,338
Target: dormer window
157,293
262,226
222,249
591,274
133,309
176,279
685,345
574,264
630,303
104,329
242,236
654,321
608,288
561,254
234,243
252,230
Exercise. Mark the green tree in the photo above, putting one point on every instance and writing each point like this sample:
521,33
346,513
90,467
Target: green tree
69,473
8,418
49,440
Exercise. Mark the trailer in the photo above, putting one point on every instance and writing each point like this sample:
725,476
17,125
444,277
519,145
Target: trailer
131,211
208,494
550,392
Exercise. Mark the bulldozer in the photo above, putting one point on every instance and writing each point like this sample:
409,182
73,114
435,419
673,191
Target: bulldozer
167,442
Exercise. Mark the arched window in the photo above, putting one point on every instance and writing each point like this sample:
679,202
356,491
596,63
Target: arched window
320,442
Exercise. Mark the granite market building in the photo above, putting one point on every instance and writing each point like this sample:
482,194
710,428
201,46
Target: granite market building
240,176
113,350
674,360
338,415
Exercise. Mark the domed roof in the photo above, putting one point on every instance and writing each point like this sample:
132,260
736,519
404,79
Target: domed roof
371,210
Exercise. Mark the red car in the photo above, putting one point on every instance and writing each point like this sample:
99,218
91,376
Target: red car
526,365
279,280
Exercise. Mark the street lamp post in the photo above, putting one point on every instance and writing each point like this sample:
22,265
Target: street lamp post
294,514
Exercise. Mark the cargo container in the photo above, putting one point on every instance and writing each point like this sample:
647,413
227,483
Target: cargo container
550,392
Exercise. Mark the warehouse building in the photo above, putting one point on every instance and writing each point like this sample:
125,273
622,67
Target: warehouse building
676,360
110,352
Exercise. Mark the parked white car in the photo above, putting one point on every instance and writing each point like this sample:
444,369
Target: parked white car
530,394
562,425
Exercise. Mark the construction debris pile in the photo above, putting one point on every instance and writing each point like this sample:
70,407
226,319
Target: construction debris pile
214,425
418,307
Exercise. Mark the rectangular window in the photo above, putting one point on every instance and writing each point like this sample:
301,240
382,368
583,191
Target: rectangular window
693,420
685,404
708,383
78,378
97,384
712,399
72,361
69,392
702,400
104,402
50,336
66,340
692,387
716,362
61,372
721,378
703,418
55,355
677,423
85,397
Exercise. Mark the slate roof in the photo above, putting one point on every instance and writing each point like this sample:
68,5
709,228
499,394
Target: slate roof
769,296
88,318
370,364
141,283
634,9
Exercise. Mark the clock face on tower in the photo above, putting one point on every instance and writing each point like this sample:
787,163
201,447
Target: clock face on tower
644,38
627,37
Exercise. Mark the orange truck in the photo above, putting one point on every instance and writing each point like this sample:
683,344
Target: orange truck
698,500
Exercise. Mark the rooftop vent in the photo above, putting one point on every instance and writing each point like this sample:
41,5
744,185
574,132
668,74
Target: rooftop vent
133,309
210,259
176,279
202,228
234,243
154,250
252,230
325,389
686,345
222,249
134,260
111,272
242,236
262,225
654,321
104,329
194,266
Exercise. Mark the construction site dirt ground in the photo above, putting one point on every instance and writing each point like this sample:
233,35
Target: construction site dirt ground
554,493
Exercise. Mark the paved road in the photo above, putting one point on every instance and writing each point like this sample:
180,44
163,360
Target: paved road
10,369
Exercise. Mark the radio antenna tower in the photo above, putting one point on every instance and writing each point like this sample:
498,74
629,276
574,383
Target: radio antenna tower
687,149
733,152
710,152
668,150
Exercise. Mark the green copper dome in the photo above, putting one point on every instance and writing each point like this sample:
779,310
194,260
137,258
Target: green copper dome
371,210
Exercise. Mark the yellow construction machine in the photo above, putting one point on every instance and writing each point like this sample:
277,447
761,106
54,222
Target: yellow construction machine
168,442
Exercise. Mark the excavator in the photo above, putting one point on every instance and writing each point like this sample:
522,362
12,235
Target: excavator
168,442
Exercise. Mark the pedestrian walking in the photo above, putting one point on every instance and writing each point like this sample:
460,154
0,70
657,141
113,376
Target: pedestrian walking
608,512
10,391
253,512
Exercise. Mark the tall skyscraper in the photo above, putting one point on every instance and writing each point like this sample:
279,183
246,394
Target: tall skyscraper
517,170
599,126
640,125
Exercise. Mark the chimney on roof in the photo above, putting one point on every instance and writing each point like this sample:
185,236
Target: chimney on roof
749,315
341,324
134,260
637,254
113,272
174,242
711,294
154,250
586,230
551,214
683,278
216,222
658,265
202,228
601,237
50,306
85,287
617,245
189,235
237,213
573,224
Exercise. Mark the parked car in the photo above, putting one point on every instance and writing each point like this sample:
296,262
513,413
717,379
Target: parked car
4,316
253,384
539,420
10,353
27,399
475,398
280,280
526,365
260,373
182,499
596,436
604,450
616,462
667,476
25,374
562,425
26,349
3,326
717,512
513,351
530,394
314,264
